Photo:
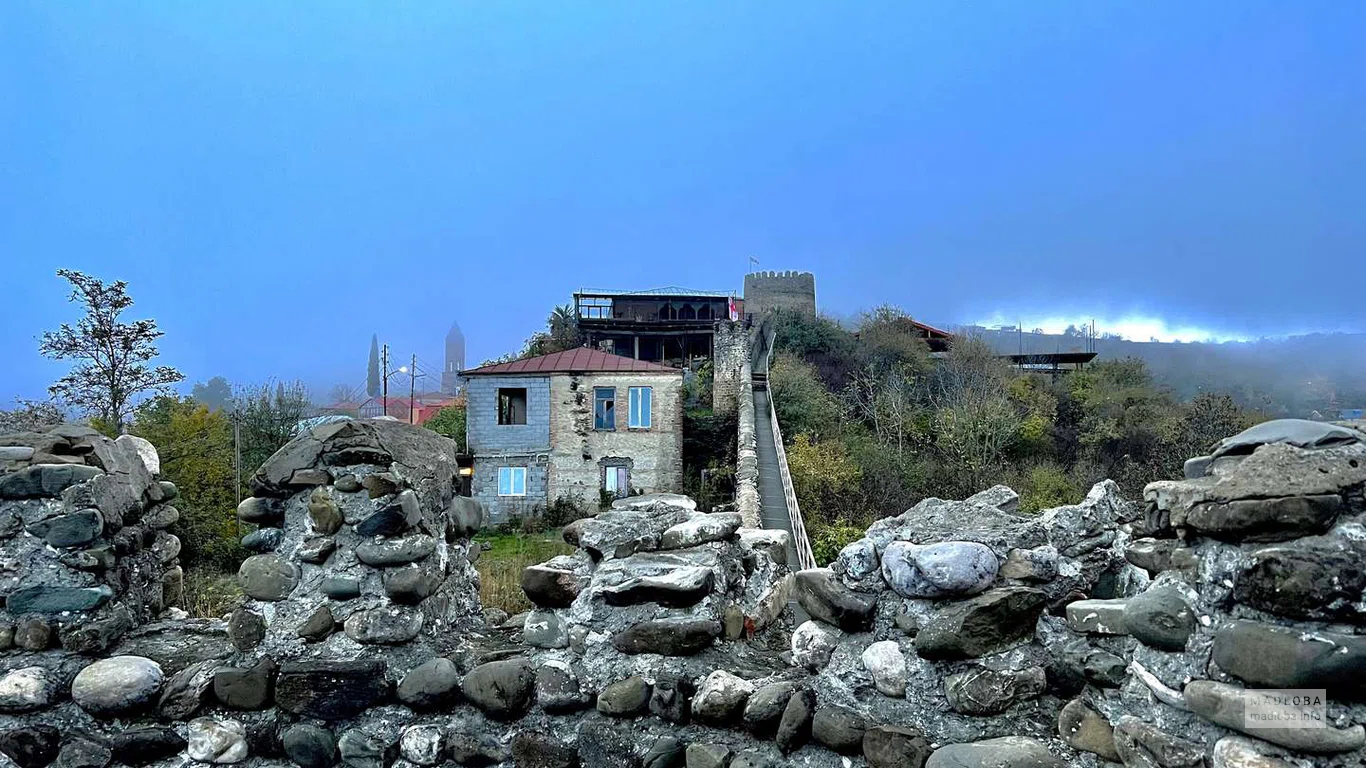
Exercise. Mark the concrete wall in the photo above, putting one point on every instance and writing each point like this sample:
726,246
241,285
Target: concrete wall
486,435
730,351
508,445
654,455
780,290
484,486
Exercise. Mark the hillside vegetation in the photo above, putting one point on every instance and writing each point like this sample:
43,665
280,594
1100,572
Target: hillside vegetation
874,424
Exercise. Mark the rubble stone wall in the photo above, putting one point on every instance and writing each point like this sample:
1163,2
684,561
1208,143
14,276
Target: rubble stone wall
730,347
580,451
960,634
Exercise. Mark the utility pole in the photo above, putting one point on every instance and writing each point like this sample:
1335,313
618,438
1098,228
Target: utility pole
412,378
384,377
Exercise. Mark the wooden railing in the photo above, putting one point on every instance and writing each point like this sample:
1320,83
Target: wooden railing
806,558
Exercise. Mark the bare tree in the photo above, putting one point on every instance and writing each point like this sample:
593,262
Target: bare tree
886,398
113,356
342,393
30,416
974,421
267,415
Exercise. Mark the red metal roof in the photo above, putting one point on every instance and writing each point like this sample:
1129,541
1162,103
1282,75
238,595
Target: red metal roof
930,329
580,360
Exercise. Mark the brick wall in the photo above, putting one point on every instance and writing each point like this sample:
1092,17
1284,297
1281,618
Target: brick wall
654,456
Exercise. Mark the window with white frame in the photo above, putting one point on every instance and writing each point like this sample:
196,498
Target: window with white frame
640,408
512,481
616,480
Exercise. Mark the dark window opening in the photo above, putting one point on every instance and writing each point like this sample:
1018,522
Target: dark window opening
604,408
511,405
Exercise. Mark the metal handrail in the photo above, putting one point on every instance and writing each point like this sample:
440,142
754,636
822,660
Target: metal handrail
806,558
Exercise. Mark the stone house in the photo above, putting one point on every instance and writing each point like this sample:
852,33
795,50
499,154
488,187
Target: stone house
572,424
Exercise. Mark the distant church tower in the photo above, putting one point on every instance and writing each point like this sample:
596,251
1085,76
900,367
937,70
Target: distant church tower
455,360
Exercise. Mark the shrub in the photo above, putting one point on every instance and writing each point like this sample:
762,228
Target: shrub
564,510
828,540
1048,486
210,594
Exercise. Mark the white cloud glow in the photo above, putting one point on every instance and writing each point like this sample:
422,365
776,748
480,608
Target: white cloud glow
1131,327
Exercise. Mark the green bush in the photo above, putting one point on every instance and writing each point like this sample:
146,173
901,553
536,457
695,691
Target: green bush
564,510
828,540
1047,486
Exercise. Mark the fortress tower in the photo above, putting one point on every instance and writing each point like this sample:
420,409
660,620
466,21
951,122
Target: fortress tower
780,290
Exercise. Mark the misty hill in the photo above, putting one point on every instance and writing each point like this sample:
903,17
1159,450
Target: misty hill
1292,376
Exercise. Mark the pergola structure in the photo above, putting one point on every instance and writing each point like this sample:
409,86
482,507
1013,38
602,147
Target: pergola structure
662,324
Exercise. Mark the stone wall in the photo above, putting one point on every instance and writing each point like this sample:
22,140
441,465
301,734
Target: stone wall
959,634
730,351
770,290
747,452
580,451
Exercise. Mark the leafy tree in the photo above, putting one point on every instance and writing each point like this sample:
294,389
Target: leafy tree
30,416
819,341
824,477
889,339
112,370
267,417
1209,418
372,376
449,421
974,423
196,449
803,403
1128,427
216,393
561,334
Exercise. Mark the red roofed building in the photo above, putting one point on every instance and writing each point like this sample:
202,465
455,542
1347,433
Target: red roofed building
576,424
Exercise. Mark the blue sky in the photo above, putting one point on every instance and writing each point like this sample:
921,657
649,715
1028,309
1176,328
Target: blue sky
279,180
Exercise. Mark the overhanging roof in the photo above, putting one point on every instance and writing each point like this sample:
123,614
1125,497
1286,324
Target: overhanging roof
667,291
580,360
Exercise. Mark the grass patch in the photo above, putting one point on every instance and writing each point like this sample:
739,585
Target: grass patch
500,568
210,593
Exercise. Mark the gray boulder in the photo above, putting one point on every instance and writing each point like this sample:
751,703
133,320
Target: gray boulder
502,689
1003,752
980,625
945,569
116,685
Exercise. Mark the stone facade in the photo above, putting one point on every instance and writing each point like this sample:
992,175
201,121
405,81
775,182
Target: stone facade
766,291
730,353
580,454
562,451
959,634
